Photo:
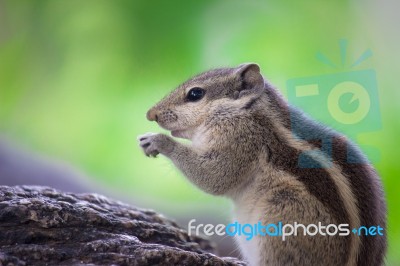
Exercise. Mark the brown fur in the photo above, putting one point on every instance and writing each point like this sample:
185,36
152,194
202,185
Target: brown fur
243,147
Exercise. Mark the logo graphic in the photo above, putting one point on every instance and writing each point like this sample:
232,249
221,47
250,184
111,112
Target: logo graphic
346,100
281,230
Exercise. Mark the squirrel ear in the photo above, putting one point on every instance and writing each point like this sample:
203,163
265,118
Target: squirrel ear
250,76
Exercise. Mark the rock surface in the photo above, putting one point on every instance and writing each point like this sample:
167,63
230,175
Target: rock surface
43,226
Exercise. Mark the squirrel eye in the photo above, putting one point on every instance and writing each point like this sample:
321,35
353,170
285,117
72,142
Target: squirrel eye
195,94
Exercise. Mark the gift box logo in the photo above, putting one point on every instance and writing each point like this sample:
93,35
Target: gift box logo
347,101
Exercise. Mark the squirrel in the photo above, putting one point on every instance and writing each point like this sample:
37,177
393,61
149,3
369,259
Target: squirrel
242,147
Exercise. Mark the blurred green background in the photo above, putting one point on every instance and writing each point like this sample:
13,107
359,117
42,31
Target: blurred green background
77,77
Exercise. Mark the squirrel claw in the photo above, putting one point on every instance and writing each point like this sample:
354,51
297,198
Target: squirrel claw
148,143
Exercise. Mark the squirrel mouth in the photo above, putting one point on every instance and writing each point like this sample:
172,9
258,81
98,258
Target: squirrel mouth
179,134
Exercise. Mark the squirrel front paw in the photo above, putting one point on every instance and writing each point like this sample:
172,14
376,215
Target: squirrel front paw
153,144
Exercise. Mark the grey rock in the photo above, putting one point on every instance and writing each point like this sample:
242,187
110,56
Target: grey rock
43,226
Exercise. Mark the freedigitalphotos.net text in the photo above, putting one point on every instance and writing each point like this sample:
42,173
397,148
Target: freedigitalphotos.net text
280,230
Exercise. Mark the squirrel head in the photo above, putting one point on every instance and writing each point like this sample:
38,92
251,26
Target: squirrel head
185,109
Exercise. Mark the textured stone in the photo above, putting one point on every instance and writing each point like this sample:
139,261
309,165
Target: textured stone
43,226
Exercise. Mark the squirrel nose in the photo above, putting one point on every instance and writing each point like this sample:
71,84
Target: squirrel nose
152,115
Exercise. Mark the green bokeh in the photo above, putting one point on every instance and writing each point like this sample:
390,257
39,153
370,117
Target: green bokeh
77,77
